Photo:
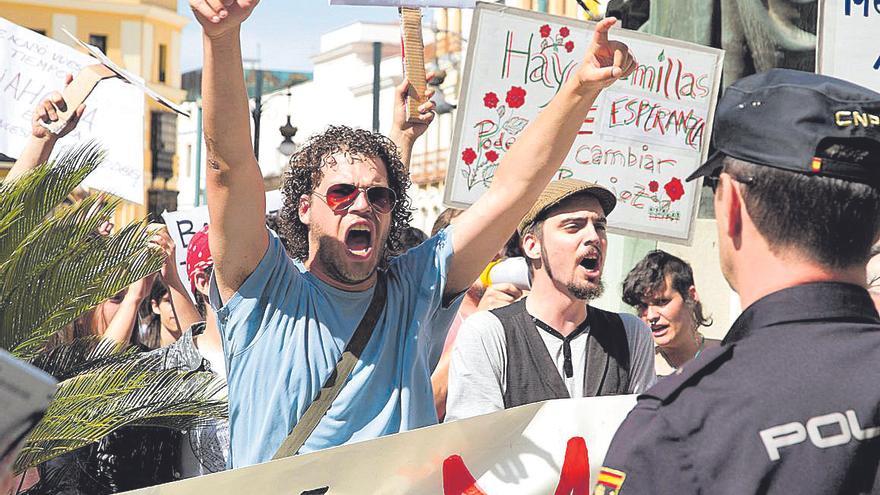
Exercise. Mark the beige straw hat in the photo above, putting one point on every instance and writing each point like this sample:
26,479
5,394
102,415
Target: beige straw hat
560,190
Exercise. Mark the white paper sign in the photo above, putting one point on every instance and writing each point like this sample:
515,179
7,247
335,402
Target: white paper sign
848,41
641,139
33,66
182,225
460,4
536,449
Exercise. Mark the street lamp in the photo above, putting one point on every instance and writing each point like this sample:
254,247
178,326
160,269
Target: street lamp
288,131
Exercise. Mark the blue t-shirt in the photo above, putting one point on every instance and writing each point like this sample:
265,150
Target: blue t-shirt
284,331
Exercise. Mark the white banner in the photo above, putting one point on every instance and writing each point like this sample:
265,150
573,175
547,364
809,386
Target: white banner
848,47
642,138
33,66
182,225
529,450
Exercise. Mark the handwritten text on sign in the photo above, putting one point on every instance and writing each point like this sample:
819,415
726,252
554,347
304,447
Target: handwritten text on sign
641,139
32,66
848,46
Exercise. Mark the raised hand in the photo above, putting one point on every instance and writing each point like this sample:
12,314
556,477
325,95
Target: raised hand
606,61
218,17
47,112
403,128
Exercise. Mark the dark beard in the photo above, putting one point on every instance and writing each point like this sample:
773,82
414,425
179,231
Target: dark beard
587,293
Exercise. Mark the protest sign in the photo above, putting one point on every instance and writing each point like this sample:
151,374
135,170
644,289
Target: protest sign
32,66
182,225
25,392
461,4
643,136
847,46
528,450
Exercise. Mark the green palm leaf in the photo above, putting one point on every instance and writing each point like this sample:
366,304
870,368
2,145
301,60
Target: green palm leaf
53,268
89,406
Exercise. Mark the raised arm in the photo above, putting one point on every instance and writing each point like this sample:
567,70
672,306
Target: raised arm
536,156
41,142
236,197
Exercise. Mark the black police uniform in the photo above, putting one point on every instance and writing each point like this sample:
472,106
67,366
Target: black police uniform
790,403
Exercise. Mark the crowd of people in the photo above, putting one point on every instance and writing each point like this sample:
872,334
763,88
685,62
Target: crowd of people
420,331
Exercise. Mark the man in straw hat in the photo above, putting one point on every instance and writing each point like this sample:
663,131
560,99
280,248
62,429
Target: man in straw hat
553,344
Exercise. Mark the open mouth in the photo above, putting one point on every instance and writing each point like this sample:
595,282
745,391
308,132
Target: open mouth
591,260
659,330
359,240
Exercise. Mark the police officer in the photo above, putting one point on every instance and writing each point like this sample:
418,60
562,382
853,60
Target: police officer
790,402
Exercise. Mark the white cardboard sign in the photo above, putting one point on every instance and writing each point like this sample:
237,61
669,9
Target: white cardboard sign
182,225
31,67
641,139
528,450
848,47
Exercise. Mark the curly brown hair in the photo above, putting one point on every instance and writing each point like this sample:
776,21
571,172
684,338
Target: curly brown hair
306,171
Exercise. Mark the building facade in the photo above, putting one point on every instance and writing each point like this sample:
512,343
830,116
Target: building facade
142,36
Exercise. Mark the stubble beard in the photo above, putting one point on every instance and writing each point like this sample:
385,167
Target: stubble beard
332,256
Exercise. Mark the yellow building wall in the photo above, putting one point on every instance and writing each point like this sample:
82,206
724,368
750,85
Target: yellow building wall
110,24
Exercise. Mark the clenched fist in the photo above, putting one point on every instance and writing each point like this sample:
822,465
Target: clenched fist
219,17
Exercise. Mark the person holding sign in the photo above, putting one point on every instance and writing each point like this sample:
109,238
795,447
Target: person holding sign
343,307
789,403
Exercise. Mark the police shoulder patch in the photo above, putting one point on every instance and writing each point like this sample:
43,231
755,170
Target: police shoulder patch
665,389
609,481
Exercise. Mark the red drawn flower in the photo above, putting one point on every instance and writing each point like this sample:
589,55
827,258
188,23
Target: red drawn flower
569,46
492,156
564,32
516,97
490,100
653,186
545,31
469,155
674,189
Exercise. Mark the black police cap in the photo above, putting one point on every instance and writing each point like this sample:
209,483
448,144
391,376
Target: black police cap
801,122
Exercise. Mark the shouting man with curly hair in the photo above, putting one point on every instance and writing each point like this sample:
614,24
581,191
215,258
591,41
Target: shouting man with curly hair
285,323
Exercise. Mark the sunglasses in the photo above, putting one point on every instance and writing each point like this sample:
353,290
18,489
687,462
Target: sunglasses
340,197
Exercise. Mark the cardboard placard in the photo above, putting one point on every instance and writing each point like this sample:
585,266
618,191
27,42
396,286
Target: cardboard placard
847,46
642,138
528,450
413,48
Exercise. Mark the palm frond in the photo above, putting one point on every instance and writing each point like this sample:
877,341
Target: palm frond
93,404
30,198
66,360
44,296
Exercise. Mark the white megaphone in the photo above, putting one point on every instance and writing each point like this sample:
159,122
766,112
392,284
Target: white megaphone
508,271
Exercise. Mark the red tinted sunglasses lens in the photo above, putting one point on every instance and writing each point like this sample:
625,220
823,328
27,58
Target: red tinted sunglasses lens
341,196
382,198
